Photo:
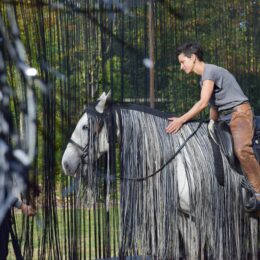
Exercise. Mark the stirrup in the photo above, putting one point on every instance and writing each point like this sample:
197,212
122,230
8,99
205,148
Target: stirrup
252,204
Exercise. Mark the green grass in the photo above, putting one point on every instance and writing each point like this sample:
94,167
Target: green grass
85,225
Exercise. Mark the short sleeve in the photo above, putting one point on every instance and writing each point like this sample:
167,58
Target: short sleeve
209,74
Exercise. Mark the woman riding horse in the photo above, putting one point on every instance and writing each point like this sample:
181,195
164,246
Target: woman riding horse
227,102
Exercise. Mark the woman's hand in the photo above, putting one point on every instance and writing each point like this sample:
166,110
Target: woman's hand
175,125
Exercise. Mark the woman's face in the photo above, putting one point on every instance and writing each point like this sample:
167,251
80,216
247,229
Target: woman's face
187,64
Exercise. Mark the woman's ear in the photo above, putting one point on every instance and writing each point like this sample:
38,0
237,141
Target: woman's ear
193,58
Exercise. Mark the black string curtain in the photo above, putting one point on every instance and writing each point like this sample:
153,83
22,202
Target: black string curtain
82,48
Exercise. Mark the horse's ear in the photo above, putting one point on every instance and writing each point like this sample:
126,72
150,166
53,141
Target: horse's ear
102,102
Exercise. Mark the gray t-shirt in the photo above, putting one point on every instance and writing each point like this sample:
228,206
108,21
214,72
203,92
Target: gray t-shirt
227,92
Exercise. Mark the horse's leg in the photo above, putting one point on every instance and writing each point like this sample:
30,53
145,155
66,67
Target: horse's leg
187,227
189,235
183,185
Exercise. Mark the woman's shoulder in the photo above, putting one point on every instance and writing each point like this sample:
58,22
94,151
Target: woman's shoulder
214,70
213,67
210,70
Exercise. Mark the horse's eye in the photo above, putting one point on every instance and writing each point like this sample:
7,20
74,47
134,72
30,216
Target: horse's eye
84,127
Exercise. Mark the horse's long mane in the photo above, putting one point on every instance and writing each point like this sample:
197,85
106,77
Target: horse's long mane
150,214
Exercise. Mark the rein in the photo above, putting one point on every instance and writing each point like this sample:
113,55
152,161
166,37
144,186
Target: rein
168,161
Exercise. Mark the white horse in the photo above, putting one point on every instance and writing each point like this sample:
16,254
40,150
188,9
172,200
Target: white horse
169,191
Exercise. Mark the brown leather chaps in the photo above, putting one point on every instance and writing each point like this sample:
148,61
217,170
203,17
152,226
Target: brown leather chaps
242,130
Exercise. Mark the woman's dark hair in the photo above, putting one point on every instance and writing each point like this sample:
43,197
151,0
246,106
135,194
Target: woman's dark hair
190,48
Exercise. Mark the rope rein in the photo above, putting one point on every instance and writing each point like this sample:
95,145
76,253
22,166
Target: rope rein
167,162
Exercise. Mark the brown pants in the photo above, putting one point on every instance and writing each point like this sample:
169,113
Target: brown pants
242,129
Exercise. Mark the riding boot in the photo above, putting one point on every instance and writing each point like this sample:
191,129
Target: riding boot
242,129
